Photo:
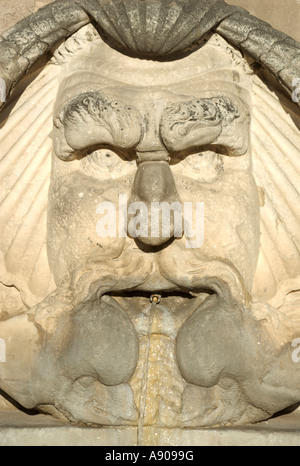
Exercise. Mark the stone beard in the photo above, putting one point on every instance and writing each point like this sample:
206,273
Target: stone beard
151,330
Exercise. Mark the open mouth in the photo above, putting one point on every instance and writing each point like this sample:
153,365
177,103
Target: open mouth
159,295
136,275
222,286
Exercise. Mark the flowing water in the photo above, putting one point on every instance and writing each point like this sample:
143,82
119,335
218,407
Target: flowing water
149,311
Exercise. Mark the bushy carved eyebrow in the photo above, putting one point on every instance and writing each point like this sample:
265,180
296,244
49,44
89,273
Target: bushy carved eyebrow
212,110
181,119
93,118
95,105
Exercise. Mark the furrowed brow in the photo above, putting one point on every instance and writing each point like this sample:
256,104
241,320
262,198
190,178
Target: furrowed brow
198,122
92,119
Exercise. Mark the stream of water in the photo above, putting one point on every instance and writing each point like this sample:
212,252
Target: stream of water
149,311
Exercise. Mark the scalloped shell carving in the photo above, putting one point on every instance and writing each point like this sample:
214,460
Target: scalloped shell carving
157,27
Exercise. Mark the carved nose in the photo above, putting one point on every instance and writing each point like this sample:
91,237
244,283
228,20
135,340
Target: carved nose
155,197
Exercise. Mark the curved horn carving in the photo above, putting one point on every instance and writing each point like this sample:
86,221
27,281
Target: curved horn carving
150,27
22,45
274,50
156,28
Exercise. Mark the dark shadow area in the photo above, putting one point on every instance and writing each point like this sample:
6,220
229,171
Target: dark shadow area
29,412
151,249
285,411
146,295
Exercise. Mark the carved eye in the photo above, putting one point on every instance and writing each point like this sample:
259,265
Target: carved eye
203,166
105,163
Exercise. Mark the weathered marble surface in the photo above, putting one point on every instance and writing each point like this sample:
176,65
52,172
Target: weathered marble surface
17,429
84,338
284,16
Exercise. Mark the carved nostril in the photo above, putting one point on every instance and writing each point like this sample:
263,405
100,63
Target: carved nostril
154,187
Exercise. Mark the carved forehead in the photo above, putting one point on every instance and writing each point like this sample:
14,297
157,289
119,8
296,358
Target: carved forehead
213,71
213,68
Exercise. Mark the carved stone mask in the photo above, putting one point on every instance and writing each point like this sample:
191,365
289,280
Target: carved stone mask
154,287
160,138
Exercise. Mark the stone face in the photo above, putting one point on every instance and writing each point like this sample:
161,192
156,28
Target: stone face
149,223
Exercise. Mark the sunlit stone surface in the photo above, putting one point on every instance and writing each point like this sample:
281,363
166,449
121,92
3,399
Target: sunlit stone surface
149,217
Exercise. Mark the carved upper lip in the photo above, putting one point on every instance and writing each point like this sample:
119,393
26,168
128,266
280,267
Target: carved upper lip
226,282
192,275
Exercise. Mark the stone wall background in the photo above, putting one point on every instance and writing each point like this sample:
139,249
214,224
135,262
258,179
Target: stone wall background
282,14
12,11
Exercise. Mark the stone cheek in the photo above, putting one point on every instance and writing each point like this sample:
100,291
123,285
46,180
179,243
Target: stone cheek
73,218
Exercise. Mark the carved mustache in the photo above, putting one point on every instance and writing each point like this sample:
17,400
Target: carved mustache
188,272
193,271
